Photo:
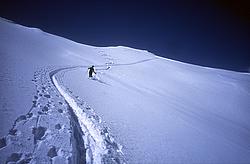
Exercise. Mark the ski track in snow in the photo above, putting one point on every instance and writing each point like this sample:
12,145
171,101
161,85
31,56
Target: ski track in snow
60,127
50,131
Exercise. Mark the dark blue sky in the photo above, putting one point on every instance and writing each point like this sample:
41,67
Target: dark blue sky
207,33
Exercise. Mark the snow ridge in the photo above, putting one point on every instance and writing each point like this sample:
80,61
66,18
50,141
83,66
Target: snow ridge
99,144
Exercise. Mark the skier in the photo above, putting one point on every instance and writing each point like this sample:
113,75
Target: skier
91,71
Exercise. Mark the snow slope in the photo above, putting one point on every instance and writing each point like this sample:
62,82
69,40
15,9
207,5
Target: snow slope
139,108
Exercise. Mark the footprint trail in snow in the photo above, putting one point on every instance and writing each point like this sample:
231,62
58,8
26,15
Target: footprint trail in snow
51,131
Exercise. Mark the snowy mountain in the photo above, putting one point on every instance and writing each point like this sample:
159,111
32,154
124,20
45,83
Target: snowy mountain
139,108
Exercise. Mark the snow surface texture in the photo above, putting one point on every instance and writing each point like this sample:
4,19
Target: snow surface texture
138,108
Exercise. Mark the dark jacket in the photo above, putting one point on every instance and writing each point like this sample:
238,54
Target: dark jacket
91,71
